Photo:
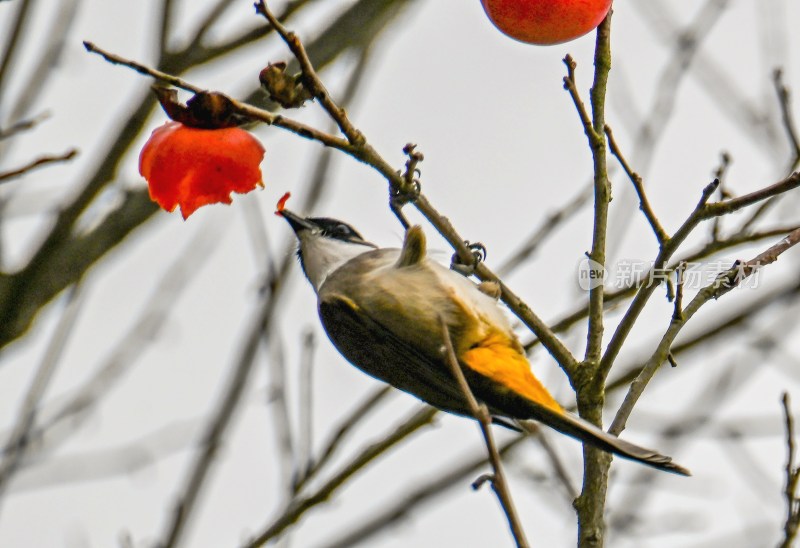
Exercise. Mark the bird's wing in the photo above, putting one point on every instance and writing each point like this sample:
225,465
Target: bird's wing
378,352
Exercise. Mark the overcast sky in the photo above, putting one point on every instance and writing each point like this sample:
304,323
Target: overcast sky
503,149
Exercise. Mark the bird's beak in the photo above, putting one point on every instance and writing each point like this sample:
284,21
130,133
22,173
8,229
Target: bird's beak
297,222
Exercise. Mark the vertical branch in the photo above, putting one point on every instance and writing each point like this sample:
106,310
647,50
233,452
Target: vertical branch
305,434
792,522
602,189
590,504
638,186
12,41
17,445
167,11
481,414
787,117
218,426
46,64
278,404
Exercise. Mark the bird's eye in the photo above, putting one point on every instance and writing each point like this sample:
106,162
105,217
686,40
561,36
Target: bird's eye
341,230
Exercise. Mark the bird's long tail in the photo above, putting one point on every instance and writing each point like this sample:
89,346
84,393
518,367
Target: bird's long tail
574,426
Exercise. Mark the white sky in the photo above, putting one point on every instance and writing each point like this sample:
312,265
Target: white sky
503,148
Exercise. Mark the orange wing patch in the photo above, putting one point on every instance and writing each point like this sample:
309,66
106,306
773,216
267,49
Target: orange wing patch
495,357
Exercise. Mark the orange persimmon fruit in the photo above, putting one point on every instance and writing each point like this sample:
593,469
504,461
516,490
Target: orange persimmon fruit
191,167
546,22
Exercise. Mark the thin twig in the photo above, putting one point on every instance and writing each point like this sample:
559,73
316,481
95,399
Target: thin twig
787,116
39,162
23,125
305,408
310,78
481,413
167,12
547,227
686,43
792,522
221,418
719,174
638,186
571,86
141,69
300,505
702,211
249,111
44,68
404,504
340,433
12,42
17,445
725,207
278,405
677,312
710,248
724,283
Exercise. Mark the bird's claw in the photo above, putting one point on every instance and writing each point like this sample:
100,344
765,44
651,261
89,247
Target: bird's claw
478,251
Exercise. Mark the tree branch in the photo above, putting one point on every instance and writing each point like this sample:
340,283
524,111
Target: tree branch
300,505
590,505
792,522
481,414
39,162
724,283
638,186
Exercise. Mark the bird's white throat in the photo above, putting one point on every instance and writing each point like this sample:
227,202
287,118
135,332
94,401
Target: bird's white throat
321,255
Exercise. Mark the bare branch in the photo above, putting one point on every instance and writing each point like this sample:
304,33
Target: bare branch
702,211
44,68
340,433
792,523
23,125
299,506
167,12
305,406
12,42
787,116
589,378
57,420
310,78
481,413
141,69
724,283
39,162
221,418
405,504
548,225
17,445
571,86
638,186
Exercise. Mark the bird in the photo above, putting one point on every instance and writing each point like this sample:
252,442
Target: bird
383,310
